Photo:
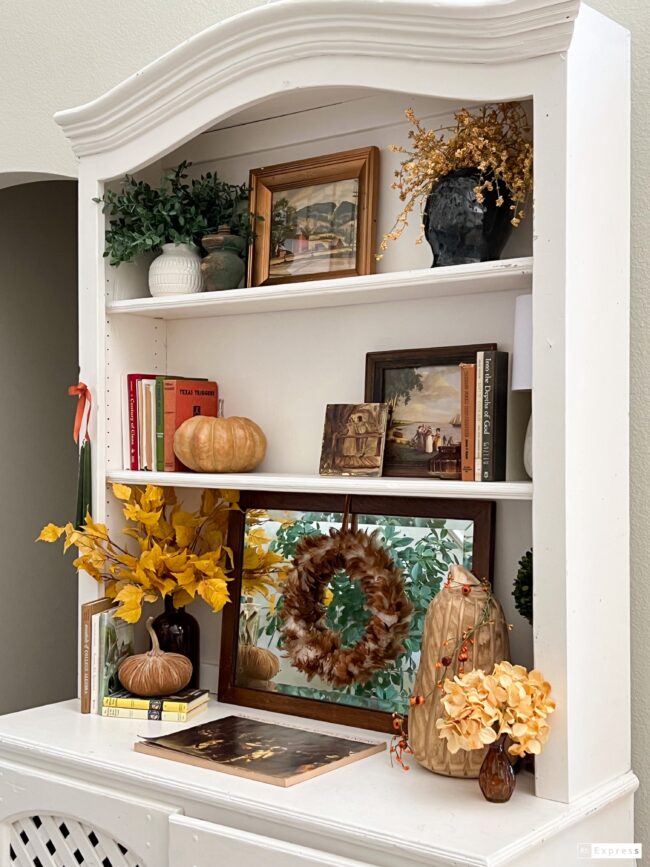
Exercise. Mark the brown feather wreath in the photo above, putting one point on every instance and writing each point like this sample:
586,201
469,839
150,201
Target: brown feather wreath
311,646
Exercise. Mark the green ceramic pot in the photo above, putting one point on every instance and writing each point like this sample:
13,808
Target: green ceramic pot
223,267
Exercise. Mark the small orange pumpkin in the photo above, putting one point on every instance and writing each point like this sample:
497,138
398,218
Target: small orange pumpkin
219,445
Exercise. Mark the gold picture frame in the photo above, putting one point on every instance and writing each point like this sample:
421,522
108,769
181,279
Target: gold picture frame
318,218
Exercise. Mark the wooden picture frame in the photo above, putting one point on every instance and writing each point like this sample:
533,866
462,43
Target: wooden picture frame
360,166
377,365
482,513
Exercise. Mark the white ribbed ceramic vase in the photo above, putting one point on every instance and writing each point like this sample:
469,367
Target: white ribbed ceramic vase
177,271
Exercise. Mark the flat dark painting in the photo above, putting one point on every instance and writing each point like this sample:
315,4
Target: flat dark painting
263,748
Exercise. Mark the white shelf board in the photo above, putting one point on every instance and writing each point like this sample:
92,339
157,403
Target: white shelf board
386,486
499,276
415,817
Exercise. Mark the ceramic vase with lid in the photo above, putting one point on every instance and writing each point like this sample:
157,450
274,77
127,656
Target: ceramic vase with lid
223,267
177,271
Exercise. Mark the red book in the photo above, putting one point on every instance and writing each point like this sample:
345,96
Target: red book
467,421
132,409
184,398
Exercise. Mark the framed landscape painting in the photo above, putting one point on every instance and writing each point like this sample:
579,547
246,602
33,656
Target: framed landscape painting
422,390
314,218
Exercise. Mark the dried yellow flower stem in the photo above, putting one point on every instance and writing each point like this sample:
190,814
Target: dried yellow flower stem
496,141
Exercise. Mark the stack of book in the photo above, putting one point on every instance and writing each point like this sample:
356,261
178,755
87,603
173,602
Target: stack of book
154,407
484,402
181,707
106,641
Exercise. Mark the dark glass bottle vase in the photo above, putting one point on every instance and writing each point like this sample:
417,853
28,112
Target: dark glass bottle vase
178,632
461,230
497,777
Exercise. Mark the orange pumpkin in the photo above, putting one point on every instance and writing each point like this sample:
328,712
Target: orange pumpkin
219,445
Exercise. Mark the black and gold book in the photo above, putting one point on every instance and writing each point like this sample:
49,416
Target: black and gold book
495,416
269,753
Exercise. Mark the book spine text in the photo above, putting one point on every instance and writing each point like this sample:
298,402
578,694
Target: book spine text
86,624
135,713
160,424
487,446
478,438
134,454
94,663
169,424
468,420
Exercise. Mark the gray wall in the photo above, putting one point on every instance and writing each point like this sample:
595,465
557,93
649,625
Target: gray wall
38,464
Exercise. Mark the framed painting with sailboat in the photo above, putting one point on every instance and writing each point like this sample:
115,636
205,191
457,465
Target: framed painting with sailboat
423,393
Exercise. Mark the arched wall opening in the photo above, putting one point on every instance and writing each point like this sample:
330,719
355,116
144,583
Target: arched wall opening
38,459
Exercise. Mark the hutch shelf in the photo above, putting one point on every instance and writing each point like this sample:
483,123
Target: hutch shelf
502,276
314,484
299,78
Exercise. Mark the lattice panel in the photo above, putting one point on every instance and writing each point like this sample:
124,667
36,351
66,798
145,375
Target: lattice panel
56,841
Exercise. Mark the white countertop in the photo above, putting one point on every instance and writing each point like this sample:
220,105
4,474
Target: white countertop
426,816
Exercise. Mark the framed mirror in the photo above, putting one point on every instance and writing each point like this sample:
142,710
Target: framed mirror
424,536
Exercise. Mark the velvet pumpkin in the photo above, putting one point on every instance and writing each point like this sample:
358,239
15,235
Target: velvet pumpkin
257,663
219,445
156,672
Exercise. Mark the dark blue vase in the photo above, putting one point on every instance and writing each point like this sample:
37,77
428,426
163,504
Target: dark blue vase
461,230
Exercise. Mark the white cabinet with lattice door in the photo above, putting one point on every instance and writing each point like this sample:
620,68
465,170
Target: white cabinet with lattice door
50,821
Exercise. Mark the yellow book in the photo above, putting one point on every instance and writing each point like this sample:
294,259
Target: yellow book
164,715
184,702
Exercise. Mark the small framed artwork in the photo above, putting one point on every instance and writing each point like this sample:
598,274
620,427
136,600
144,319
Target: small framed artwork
353,439
422,390
318,218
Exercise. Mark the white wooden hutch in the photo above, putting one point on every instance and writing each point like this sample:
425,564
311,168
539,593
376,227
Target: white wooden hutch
299,78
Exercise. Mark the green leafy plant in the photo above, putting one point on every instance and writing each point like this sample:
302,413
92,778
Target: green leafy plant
523,589
178,211
424,562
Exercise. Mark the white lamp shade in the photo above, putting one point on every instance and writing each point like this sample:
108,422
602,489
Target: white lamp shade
522,347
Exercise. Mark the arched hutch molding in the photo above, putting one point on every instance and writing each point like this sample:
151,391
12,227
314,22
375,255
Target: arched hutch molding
572,65
267,43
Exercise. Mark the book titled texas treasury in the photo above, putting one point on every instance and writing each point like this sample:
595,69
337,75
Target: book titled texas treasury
267,752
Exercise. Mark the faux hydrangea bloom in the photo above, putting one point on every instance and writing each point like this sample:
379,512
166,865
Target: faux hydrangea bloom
481,707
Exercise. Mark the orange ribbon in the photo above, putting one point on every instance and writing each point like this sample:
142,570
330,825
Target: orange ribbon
85,401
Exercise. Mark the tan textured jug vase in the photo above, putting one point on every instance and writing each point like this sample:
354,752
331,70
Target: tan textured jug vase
450,614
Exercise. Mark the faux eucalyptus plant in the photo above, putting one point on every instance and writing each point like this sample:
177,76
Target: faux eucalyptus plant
178,211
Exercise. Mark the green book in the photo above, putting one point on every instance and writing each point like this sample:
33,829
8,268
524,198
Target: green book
116,642
160,424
